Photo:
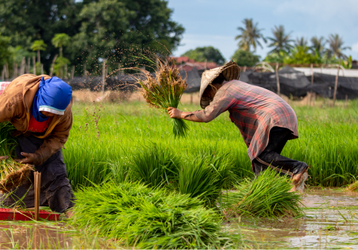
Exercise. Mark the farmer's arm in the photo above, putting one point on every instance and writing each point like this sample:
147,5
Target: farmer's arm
222,102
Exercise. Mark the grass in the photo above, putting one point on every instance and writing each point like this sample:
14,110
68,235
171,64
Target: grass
142,217
326,143
266,196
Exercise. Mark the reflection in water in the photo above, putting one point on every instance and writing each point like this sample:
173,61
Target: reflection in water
331,221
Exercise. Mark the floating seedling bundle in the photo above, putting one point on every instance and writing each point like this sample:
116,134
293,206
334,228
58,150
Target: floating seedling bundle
164,90
12,173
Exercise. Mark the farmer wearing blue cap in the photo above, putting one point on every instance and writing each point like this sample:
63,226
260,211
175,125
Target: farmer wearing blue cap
39,107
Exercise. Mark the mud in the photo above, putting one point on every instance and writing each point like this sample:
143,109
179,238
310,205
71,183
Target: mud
330,221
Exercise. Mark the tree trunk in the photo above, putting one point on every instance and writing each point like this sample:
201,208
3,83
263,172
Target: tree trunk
61,51
38,56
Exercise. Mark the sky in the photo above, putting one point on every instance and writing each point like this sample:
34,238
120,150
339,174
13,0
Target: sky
215,22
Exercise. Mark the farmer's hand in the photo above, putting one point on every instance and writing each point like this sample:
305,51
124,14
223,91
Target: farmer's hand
3,157
30,158
174,113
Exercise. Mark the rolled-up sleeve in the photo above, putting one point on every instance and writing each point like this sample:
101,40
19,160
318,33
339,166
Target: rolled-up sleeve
221,102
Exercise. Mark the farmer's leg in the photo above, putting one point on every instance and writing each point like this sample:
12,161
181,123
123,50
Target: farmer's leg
55,191
271,154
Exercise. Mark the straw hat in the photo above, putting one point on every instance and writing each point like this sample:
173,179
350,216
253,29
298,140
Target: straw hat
230,70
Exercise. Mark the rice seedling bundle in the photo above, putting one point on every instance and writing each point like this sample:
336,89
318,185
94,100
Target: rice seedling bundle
164,90
142,217
266,196
12,174
353,187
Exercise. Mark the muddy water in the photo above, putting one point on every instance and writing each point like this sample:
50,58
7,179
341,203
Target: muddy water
331,221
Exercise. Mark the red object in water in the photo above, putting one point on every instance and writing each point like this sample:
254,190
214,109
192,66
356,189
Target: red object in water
11,214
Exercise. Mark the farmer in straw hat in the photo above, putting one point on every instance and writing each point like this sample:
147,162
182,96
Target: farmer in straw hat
264,119
39,107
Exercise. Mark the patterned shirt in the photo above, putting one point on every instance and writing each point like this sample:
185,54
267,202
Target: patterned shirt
3,85
254,110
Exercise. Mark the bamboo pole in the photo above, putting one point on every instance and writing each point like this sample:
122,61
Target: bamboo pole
244,68
23,66
84,70
28,67
37,189
42,69
3,73
66,76
53,64
277,80
335,86
7,71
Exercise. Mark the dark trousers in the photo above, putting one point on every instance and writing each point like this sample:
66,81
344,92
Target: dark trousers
55,192
271,155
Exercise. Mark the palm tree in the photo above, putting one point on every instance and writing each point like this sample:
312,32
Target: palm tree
281,41
335,46
318,45
250,35
37,46
300,41
60,40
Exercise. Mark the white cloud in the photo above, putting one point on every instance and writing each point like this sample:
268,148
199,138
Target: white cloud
355,47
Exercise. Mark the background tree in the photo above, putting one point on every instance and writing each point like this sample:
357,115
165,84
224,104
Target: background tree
280,40
336,46
301,55
61,40
37,46
209,53
318,44
245,58
250,35
5,53
300,42
108,29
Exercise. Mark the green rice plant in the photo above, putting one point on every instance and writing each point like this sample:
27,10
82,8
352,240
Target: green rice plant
266,196
164,90
141,217
154,166
12,173
205,177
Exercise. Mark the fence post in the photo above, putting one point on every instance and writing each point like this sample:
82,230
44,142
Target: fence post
84,70
28,67
277,80
42,69
34,64
73,71
312,73
335,85
103,75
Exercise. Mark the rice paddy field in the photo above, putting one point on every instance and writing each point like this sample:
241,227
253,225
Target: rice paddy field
137,185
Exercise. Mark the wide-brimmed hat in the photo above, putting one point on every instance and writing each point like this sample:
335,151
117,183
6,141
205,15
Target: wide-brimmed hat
231,71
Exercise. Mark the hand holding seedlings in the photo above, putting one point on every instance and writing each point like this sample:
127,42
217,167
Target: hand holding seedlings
30,159
174,113
3,157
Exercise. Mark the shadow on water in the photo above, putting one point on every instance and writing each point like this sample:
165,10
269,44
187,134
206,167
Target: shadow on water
331,221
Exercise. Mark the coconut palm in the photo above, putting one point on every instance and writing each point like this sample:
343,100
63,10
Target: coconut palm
37,46
250,35
281,41
60,40
318,44
300,41
335,46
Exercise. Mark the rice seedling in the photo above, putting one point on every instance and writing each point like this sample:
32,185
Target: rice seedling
154,166
141,217
205,177
12,174
266,196
164,90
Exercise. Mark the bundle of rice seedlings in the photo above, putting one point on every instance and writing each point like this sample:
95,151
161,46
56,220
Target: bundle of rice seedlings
154,166
142,217
266,196
164,90
206,177
353,187
12,174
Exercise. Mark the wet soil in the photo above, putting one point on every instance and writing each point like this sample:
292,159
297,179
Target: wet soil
330,221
